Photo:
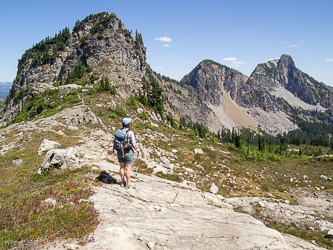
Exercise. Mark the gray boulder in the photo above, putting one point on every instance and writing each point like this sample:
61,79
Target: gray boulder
47,145
59,158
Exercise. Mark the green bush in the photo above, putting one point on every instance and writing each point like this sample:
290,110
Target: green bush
113,90
99,36
112,116
132,102
144,116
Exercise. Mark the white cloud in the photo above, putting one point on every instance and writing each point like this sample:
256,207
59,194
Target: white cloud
158,67
284,42
166,45
329,60
295,45
235,62
187,63
164,39
230,59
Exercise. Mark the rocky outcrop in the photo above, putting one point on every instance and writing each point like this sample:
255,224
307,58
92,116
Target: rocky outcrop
47,145
283,73
100,42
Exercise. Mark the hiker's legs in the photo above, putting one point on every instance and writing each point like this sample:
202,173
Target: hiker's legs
122,171
128,173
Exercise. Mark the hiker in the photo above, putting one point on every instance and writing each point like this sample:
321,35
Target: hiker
126,157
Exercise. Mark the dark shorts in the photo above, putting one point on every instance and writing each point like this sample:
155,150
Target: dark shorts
128,156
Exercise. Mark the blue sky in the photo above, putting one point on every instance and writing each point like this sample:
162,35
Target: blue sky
180,34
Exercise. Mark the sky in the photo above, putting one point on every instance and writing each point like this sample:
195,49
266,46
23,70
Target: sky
180,34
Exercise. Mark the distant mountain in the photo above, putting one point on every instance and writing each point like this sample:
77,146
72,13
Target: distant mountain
275,92
282,78
4,89
328,87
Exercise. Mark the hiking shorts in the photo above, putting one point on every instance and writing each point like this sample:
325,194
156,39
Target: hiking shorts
128,156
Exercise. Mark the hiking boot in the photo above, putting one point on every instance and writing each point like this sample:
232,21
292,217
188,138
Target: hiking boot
123,184
127,186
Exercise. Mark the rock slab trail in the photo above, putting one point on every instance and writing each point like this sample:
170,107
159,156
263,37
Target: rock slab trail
161,214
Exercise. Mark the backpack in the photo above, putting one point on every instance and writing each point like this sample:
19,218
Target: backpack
121,141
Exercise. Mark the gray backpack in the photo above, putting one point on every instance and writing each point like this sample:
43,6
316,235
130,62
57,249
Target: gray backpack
121,141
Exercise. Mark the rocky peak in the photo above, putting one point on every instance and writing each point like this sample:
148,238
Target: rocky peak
283,73
211,80
100,43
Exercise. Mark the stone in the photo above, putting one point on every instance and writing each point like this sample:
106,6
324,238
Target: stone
324,177
59,158
47,145
198,151
149,136
329,234
139,110
189,184
17,162
68,246
213,188
50,201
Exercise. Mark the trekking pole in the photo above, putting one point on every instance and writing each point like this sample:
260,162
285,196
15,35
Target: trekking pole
137,163
137,168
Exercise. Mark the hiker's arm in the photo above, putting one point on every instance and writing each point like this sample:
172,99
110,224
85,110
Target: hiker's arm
133,142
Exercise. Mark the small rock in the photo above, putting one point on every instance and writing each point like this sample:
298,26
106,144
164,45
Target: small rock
287,202
50,201
198,151
17,162
71,246
311,228
189,183
313,242
329,234
305,177
317,188
291,179
174,150
139,110
261,204
324,177
151,245
213,188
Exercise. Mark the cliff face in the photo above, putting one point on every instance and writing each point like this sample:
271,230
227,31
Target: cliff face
210,80
282,73
101,43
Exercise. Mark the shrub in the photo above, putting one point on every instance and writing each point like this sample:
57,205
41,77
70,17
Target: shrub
144,116
132,102
99,36
113,90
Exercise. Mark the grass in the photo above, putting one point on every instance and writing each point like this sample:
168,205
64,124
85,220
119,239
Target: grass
24,213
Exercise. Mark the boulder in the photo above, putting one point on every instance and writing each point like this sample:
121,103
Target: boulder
213,188
59,158
139,110
198,151
47,145
189,184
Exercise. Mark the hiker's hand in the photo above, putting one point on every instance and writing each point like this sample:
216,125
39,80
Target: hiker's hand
138,150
